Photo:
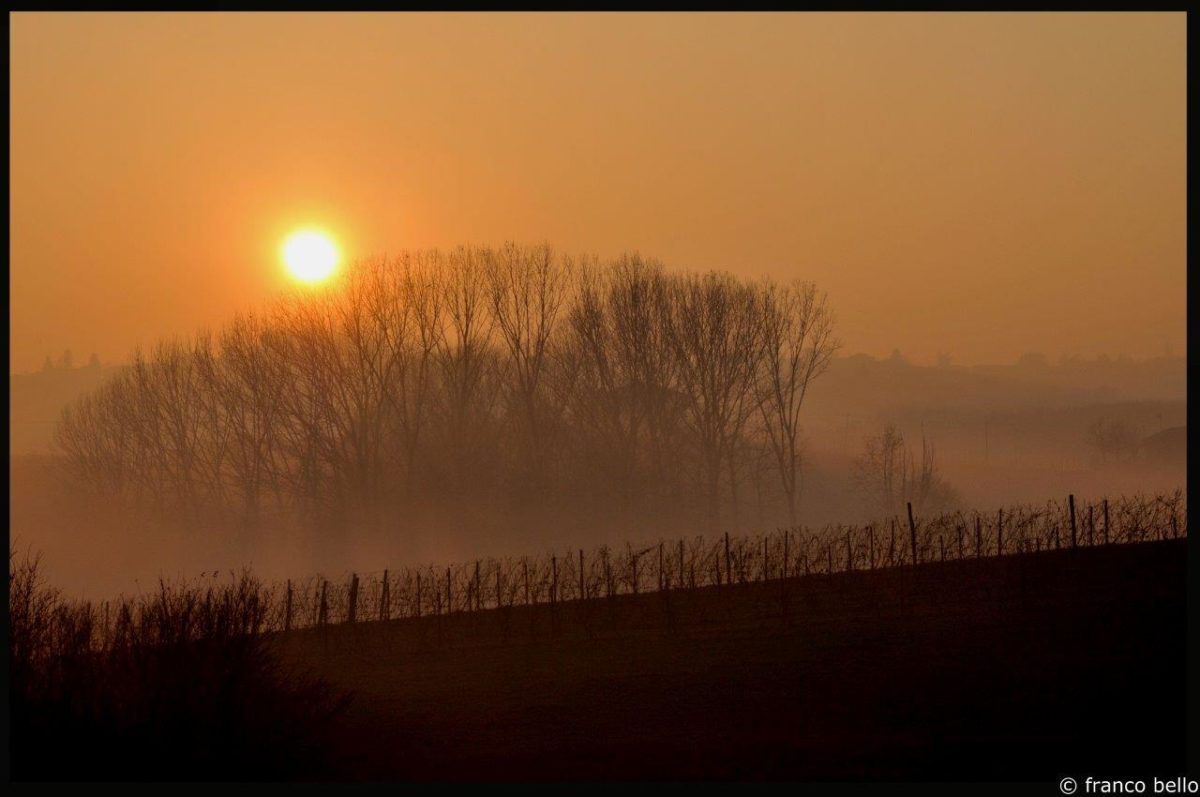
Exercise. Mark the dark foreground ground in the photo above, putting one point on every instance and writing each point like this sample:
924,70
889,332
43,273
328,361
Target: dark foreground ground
1022,668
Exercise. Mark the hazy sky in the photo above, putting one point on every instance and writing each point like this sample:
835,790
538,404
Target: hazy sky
977,184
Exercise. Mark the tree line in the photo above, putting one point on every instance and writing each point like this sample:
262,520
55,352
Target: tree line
493,377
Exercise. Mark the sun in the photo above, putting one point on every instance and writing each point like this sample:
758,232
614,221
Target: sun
310,255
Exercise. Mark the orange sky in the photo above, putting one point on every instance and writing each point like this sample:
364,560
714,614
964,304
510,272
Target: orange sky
977,184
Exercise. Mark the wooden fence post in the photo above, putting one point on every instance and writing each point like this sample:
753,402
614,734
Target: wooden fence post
287,612
786,534
385,598
728,567
478,590
324,610
912,530
352,610
1074,536
682,574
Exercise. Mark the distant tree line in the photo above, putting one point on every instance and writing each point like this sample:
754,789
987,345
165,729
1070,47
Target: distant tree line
495,377
66,362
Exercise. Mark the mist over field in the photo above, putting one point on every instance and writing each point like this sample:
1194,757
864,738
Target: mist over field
986,435
569,396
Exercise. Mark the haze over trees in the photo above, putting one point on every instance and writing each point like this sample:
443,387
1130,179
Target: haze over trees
888,476
512,381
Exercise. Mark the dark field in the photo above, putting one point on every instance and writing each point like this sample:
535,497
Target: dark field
1017,668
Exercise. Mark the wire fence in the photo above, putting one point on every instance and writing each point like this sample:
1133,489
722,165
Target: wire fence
697,562
690,563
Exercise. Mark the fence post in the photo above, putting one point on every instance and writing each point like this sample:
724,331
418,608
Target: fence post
352,611
287,612
786,533
999,532
385,598
1074,536
682,574
323,613
728,568
912,531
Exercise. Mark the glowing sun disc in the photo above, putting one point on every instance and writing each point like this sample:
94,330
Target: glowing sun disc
310,256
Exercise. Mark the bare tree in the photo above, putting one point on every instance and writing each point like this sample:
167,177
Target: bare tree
1113,438
527,287
343,407
798,344
716,334
465,359
887,475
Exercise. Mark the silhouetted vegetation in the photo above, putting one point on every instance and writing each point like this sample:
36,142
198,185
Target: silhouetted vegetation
182,683
514,381
695,562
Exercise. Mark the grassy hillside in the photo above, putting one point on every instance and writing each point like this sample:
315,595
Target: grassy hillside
1026,667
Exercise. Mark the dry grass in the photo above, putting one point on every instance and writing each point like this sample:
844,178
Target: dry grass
178,684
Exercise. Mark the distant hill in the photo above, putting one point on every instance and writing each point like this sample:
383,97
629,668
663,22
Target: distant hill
1168,446
863,384
1011,410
